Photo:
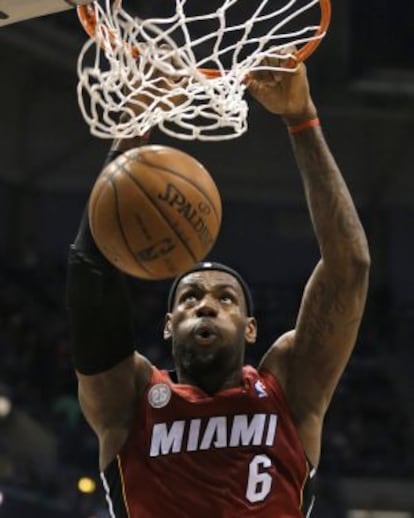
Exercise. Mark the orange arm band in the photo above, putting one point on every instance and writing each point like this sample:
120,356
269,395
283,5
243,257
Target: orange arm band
298,128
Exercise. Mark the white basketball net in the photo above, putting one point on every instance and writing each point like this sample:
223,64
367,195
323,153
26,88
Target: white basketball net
122,90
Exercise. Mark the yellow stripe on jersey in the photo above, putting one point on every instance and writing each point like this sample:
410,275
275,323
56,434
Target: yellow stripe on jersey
121,477
303,486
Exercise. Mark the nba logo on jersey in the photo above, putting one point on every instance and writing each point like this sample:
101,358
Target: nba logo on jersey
260,389
159,395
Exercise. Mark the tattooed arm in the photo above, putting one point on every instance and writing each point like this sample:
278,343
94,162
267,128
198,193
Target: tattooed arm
310,360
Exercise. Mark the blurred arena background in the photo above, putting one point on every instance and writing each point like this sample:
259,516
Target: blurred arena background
363,82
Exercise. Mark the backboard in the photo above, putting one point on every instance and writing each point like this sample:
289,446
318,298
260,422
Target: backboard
13,11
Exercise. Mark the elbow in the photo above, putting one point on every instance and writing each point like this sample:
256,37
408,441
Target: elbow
359,266
355,254
355,263
352,259
361,261
361,257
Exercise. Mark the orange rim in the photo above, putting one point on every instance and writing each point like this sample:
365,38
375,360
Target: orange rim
86,14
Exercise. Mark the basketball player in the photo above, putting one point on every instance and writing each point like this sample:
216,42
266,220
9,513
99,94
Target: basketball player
217,438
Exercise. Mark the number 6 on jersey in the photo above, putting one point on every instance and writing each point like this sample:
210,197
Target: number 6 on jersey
259,483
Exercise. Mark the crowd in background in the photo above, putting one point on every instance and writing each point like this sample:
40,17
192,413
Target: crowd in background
367,428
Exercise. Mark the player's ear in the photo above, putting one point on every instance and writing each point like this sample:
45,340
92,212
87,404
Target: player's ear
167,327
250,332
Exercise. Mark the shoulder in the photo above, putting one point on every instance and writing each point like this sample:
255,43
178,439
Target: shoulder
144,371
279,362
276,359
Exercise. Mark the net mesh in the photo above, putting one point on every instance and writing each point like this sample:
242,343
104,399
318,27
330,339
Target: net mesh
185,71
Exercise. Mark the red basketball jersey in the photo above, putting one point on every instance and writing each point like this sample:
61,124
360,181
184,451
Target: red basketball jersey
190,455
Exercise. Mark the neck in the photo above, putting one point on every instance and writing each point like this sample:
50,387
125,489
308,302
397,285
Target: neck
211,383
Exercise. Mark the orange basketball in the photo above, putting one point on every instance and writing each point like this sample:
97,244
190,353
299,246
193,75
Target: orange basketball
154,212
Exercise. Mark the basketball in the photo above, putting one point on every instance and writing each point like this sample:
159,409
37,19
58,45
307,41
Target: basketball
154,212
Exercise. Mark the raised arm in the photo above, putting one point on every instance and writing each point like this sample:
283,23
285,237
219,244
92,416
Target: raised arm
310,360
110,374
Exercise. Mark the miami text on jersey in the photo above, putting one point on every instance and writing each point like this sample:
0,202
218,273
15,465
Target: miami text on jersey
213,432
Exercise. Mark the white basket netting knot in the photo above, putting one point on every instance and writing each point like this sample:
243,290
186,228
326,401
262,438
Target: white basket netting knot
184,72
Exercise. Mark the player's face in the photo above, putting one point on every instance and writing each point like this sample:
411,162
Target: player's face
209,326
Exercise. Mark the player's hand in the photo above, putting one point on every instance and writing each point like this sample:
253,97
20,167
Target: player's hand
162,93
284,93
165,90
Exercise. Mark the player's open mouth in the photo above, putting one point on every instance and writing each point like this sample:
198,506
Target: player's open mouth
205,334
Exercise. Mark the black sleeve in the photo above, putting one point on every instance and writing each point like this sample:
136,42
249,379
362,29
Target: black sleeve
100,312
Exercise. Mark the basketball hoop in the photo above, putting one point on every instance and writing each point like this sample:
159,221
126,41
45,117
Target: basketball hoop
206,57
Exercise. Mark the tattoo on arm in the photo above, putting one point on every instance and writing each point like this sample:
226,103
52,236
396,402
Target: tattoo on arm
334,217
